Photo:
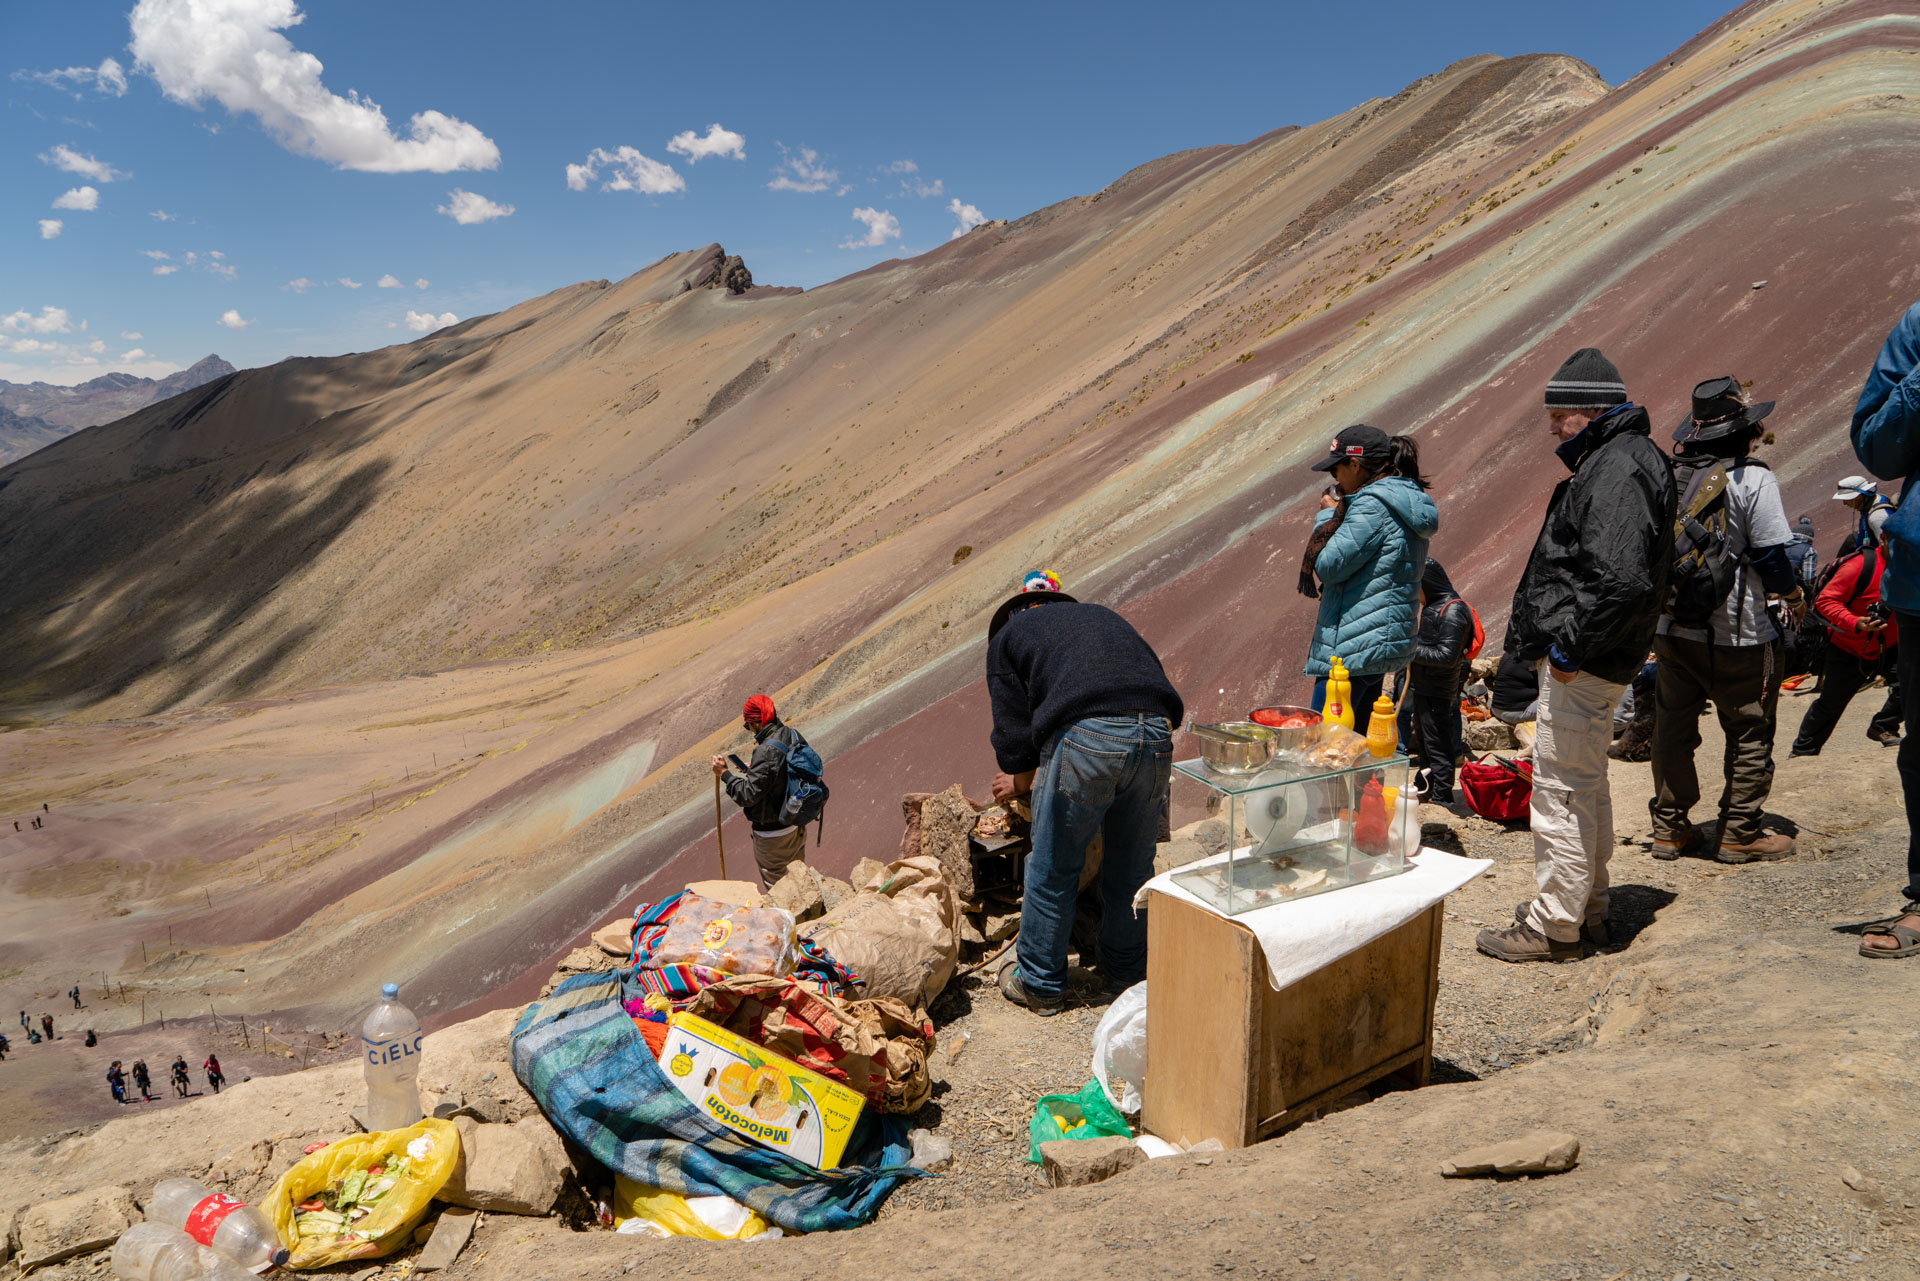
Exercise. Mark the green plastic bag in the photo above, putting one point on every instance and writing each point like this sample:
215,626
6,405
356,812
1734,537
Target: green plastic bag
1086,1115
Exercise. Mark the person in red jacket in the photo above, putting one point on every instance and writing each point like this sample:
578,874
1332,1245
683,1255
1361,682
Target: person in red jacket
1863,636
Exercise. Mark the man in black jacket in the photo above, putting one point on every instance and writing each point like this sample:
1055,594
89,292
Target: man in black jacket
762,788
1430,715
1083,718
1586,605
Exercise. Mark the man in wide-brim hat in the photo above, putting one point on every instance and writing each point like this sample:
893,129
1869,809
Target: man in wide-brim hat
1728,651
1083,718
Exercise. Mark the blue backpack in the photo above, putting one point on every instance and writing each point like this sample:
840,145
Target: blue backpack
806,799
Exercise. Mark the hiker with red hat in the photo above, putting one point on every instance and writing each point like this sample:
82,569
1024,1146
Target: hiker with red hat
1083,718
761,789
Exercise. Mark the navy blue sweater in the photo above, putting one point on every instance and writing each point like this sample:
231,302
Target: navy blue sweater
1052,665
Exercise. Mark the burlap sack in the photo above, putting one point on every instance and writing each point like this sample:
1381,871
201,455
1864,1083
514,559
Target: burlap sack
898,934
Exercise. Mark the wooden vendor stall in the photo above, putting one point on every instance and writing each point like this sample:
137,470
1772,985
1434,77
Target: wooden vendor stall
1229,1058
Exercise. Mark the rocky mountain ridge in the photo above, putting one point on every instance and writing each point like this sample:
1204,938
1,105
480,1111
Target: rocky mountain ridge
36,414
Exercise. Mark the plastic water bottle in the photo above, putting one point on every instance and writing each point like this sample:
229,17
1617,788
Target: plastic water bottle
215,1219
156,1252
390,1043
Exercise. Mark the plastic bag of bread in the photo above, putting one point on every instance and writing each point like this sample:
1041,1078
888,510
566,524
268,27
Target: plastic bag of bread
1336,747
733,940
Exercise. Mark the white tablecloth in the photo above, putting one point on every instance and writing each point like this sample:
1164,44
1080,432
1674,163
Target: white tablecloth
1312,933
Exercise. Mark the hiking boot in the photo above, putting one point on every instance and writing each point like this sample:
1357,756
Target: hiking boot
1594,932
1524,943
1669,848
1885,737
1764,848
1015,991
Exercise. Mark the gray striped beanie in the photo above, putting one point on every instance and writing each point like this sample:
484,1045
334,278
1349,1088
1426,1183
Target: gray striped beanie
1587,380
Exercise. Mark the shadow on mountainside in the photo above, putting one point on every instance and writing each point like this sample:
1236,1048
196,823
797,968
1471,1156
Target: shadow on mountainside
150,586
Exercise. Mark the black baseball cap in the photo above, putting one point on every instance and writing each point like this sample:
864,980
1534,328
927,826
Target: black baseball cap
1357,443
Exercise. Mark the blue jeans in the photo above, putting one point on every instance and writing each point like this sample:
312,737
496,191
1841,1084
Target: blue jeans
1106,775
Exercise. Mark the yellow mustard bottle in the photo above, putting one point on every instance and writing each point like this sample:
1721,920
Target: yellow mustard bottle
1339,705
1383,735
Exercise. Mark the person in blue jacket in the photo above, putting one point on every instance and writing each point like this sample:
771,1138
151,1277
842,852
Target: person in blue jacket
1886,440
1364,561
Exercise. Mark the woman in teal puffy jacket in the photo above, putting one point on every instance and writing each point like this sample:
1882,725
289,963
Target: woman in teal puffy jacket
1367,553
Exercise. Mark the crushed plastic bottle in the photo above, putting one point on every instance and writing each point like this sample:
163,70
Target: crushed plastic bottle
156,1252
215,1219
390,1044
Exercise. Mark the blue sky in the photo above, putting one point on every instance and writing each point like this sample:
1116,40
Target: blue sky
219,173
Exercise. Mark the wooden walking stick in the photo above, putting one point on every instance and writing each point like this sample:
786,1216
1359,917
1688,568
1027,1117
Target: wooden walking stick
718,839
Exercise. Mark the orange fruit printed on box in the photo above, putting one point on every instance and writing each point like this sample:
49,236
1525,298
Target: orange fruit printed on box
765,1096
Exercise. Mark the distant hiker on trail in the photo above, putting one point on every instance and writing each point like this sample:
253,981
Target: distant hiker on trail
46,1021
74,992
1364,561
1718,639
4,1047
181,1083
25,1022
761,789
212,1069
92,1040
117,1081
143,1080
1886,440
1862,640
1430,714
1083,718
1586,604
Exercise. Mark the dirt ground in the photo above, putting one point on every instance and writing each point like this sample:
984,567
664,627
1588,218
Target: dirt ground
1740,1079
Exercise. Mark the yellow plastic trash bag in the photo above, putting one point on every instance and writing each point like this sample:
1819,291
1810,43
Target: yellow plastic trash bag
642,1210
413,1164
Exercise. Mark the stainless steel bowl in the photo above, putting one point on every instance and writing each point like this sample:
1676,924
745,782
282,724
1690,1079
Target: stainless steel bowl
1235,747
1291,740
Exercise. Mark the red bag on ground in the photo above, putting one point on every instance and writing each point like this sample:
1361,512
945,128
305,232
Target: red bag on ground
1496,788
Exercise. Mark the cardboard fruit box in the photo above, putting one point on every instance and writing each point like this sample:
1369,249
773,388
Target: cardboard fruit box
765,1096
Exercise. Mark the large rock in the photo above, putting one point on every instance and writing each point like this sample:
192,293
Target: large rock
1072,1162
615,939
515,1169
864,871
833,890
946,831
1538,1152
7,1219
450,1233
77,1224
799,892
1490,735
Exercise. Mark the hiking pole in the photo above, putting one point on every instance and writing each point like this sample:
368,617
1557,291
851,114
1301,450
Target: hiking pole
719,839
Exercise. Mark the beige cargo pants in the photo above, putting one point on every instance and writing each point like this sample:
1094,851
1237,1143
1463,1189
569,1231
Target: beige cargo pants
1572,808
774,850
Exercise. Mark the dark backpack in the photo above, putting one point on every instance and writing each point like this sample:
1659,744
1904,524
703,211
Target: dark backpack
806,799
1820,582
1703,572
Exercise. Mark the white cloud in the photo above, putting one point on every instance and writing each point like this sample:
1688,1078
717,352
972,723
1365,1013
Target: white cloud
132,335
134,354
802,171
85,199
881,227
160,254
233,319
900,166
349,283
65,157
215,253
467,208
628,171
232,51
189,257
421,283
27,346
718,142
50,227
299,286
388,282
922,190
968,217
109,77
166,269
51,320
223,269
97,346
424,322
164,216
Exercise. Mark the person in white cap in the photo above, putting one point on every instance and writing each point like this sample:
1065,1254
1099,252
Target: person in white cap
1864,497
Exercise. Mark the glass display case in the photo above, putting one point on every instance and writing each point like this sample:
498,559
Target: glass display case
1295,830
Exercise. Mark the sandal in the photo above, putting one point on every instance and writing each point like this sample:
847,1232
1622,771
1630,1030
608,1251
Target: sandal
1906,936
